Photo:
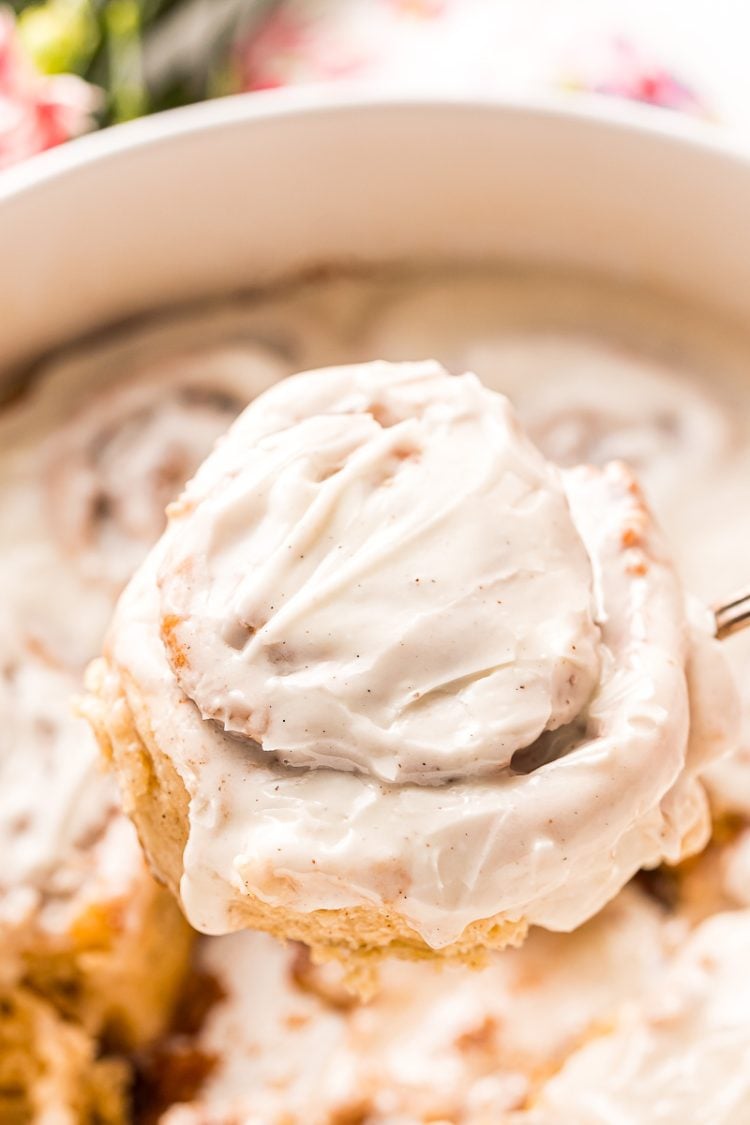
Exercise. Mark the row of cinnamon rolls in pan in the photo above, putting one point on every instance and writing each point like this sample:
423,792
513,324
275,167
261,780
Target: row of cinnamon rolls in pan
93,452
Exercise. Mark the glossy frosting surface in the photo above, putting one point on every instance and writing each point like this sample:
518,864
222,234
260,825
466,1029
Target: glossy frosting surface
334,593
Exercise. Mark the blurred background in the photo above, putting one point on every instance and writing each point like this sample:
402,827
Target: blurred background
68,66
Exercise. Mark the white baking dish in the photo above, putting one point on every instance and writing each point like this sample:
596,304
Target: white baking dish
224,195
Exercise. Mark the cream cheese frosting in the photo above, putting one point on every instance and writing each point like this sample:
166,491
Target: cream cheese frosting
338,550
546,832
681,1054
58,802
88,462
116,465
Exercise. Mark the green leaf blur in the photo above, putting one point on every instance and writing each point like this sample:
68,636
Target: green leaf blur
131,49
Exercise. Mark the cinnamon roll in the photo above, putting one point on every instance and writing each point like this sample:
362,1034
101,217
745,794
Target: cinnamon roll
90,458
593,376
284,1041
678,1055
81,917
49,1069
118,462
391,682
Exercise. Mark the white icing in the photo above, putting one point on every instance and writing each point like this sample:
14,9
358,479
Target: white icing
341,600
57,799
681,1054
603,372
550,844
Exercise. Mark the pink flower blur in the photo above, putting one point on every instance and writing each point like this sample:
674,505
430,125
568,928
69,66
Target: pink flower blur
623,71
36,111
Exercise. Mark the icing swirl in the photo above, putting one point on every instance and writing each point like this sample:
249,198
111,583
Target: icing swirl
351,490
117,463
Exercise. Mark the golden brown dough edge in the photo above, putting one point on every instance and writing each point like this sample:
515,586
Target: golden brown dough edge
156,799
49,1069
117,964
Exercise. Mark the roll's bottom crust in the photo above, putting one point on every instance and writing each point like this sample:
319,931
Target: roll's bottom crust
156,799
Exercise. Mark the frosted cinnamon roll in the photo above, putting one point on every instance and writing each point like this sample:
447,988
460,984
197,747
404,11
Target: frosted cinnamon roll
81,918
117,464
680,1054
90,456
390,681
583,391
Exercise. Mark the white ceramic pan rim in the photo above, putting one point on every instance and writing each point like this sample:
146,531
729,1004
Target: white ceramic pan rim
233,193
616,113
